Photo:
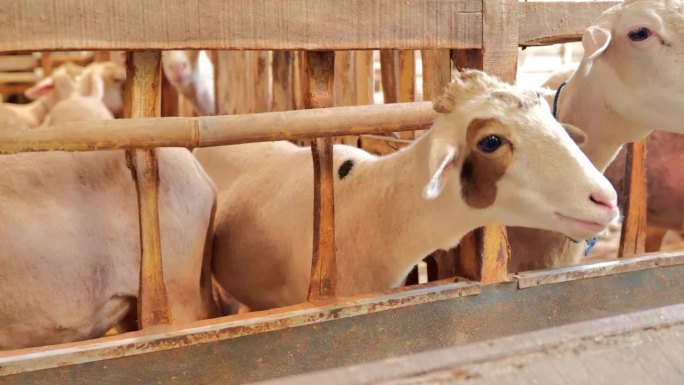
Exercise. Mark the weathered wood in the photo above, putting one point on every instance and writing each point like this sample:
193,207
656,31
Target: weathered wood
319,81
211,131
169,98
633,239
382,145
483,255
283,82
233,97
407,76
363,73
546,23
306,337
214,57
142,98
345,88
500,29
620,349
259,67
436,72
18,62
239,24
389,74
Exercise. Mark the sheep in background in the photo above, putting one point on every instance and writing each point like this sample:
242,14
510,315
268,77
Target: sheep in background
70,236
628,84
494,154
192,74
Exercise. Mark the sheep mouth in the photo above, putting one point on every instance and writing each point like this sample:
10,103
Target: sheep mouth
588,225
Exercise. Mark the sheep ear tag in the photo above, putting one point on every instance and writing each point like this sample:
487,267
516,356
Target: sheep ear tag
442,157
595,42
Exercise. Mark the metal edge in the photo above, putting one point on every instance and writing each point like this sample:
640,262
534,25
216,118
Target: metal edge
163,338
598,269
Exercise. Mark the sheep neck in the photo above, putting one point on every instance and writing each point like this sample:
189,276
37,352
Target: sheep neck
412,226
198,93
585,106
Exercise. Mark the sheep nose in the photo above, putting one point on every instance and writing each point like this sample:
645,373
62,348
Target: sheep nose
178,68
609,201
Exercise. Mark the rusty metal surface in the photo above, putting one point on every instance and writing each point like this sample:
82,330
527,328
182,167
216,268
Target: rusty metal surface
333,335
637,348
646,261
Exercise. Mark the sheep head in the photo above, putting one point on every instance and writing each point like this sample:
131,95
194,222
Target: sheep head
502,153
636,51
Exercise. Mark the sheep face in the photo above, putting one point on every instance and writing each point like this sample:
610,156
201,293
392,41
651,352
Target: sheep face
636,50
178,66
499,150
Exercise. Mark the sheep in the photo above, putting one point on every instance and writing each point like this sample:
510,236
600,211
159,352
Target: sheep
44,97
628,83
192,74
33,114
495,153
71,245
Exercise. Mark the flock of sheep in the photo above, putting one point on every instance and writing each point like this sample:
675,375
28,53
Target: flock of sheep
237,221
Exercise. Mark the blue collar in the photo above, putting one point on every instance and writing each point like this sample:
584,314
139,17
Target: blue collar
555,100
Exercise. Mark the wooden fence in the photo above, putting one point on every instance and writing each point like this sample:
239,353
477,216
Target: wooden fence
481,34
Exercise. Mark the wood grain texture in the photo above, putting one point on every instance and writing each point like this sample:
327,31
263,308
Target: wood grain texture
222,130
407,83
319,78
283,86
500,29
260,72
633,239
169,99
558,21
239,24
436,72
345,88
389,74
142,98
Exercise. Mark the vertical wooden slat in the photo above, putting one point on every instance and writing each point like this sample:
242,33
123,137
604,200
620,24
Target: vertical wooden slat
484,253
633,239
407,83
283,90
298,79
436,77
214,56
142,99
363,72
389,74
345,88
169,102
319,80
259,67
234,96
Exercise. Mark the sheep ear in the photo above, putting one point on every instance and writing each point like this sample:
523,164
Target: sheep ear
595,42
442,156
92,85
579,136
39,89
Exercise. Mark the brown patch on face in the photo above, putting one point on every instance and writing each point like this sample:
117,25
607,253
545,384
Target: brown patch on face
481,171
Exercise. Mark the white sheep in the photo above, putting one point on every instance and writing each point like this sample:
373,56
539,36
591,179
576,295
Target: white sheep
628,83
70,238
494,154
44,96
192,74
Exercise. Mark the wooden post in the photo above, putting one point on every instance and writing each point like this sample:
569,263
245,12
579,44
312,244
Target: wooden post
407,83
363,71
214,56
169,98
345,88
283,90
436,77
142,99
319,80
389,74
259,69
633,238
484,253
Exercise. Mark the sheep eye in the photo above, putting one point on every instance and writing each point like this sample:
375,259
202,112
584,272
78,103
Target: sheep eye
489,143
639,34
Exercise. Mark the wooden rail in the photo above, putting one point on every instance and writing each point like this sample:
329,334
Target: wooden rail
472,33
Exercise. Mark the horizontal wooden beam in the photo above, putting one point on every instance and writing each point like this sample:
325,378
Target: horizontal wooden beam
555,22
239,24
219,130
